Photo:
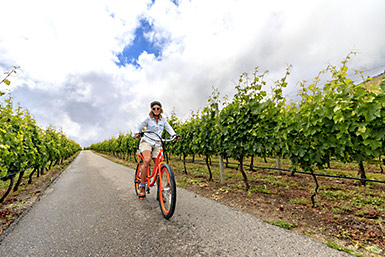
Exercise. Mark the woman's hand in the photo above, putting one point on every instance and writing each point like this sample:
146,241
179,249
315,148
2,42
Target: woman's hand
177,137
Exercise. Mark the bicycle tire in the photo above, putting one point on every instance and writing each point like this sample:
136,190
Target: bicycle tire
137,179
167,191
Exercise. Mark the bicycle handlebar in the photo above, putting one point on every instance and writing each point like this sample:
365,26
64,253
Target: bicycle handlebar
162,140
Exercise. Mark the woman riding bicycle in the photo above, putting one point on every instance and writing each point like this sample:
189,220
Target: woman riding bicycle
150,146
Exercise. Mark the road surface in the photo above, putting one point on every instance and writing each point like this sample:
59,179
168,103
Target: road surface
92,210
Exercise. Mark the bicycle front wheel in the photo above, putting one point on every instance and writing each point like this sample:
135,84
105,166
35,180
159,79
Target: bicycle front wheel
167,191
137,179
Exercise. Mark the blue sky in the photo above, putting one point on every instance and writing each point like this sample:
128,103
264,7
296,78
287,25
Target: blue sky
142,43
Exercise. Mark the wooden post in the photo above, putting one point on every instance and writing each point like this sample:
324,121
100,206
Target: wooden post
221,167
278,161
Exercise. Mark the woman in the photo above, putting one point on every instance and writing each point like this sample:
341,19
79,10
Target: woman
149,145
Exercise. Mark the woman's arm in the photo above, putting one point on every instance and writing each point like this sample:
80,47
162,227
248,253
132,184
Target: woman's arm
142,125
169,128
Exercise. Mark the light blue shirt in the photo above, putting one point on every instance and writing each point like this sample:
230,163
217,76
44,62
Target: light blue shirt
150,124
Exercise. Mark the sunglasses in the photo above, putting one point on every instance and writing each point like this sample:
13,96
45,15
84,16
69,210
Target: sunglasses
156,109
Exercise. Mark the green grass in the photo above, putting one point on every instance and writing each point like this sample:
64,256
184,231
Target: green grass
336,195
258,188
5,184
282,224
301,201
336,246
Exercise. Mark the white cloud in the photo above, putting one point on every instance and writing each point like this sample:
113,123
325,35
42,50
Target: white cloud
52,39
71,128
67,53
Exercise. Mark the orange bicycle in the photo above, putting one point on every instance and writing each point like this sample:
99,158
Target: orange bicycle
163,176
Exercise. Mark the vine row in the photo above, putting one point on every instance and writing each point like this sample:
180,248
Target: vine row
341,119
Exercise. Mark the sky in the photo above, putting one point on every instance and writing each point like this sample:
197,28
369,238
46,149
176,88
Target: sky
92,67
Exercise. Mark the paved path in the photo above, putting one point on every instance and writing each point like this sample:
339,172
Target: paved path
92,210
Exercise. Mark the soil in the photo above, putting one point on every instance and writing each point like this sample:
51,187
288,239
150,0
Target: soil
312,222
356,233
363,235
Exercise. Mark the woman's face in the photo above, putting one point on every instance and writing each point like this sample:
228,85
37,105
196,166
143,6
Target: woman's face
156,109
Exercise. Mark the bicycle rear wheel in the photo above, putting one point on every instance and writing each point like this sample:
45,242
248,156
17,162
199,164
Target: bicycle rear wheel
167,191
137,179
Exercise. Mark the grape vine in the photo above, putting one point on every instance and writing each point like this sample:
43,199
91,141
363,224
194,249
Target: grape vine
24,145
340,119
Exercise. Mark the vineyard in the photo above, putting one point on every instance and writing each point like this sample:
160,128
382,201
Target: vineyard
341,121
338,123
323,152
26,147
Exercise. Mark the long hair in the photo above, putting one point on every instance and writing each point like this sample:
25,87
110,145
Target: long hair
151,114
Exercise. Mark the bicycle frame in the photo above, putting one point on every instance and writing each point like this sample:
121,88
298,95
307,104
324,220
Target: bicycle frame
155,171
163,176
151,177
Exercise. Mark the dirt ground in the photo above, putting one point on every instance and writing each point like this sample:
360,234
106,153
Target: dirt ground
348,230
360,231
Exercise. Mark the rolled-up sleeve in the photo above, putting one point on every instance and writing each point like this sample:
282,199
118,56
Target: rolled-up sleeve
142,125
169,128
